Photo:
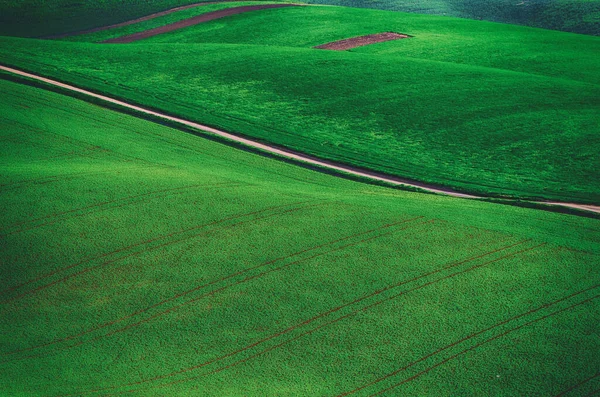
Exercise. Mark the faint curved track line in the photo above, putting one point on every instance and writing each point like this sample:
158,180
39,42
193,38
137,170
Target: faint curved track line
498,336
182,294
123,249
471,336
575,386
287,330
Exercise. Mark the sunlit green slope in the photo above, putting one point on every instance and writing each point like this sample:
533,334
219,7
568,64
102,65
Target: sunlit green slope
137,258
481,107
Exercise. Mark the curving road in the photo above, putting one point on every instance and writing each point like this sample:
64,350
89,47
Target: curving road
280,152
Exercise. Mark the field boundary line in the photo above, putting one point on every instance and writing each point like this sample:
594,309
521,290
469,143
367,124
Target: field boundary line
285,153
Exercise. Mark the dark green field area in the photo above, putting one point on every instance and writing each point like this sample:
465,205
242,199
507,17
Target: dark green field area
156,22
140,258
578,16
31,18
481,107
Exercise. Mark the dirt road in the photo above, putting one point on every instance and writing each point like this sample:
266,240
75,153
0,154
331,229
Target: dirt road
328,165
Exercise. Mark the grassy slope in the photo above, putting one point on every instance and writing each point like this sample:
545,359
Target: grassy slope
32,18
578,16
478,106
110,216
155,22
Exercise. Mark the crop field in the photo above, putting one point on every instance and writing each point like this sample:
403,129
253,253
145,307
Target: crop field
143,260
480,107
141,257
578,16
33,18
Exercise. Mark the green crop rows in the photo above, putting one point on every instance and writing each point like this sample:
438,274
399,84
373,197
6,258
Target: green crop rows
140,258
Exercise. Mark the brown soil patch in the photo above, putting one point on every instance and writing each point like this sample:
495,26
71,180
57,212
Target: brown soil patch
209,16
133,21
343,45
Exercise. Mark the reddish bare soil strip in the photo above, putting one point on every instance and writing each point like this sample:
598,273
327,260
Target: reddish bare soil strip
133,21
209,16
347,44
289,154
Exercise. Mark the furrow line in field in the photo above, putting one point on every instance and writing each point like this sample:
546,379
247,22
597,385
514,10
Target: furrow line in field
466,338
259,275
348,315
575,386
51,179
322,315
197,288
146,242
218,290
143,196
498,336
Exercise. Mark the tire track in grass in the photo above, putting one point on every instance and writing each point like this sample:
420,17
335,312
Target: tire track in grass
52,178
144,196
466,338
575,386
218,290
146,242
498,336
356,311
88,213
197,288
322,315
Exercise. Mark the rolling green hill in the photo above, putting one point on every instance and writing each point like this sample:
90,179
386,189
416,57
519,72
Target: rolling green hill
578,16
32,18
142,260
481,107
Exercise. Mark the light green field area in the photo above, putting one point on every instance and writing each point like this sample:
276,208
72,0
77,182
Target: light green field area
139,258
480,107
579,16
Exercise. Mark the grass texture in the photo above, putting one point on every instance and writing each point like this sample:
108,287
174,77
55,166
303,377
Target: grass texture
138,258
577,16
482,107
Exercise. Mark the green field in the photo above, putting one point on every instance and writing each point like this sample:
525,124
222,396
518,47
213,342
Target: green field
138,258
578,16
481,107
33,18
